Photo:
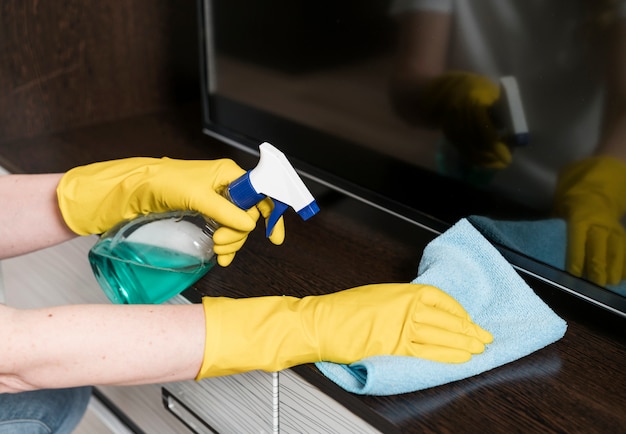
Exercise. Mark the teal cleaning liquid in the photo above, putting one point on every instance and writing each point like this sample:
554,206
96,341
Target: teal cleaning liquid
143,274
153,258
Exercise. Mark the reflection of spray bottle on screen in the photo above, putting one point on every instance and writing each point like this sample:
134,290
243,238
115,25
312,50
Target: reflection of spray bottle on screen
508,114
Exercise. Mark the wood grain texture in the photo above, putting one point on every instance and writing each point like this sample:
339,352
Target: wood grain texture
236,403
304,408
70,62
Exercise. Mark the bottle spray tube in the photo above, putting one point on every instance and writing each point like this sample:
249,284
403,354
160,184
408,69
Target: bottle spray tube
154,257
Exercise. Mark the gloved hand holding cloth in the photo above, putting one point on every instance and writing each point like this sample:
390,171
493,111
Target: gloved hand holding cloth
591,197
273,333
96,197
460,103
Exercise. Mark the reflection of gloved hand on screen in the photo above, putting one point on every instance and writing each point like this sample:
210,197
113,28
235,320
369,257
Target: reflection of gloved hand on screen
95,197
274,333
591,197
461,104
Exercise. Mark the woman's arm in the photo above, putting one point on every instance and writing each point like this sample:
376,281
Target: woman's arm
99,344
29,216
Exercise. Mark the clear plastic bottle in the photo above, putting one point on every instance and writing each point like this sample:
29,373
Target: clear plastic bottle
152,258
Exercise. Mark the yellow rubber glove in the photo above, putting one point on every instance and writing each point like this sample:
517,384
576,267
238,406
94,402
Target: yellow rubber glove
460,103
274,333
591,197
95,197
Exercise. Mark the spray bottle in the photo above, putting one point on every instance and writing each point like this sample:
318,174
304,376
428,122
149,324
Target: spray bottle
154,257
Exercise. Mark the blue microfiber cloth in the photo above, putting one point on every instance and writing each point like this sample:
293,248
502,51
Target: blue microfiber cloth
543,240
464,264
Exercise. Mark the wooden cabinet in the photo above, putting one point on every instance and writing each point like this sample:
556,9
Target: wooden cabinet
304,408
259,402
244,403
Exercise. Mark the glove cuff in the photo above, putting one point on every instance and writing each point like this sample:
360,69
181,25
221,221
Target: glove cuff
255,333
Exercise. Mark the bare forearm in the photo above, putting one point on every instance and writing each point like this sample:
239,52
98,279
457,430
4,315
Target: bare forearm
29,217
99,344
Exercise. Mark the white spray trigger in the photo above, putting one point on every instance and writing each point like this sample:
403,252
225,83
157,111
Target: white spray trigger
274,177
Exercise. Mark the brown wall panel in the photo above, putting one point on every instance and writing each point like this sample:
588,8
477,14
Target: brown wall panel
74,62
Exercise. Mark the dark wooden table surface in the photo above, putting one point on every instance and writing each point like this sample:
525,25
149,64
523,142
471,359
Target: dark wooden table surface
575,385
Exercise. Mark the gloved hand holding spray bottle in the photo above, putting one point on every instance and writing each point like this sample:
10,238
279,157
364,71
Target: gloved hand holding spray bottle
156,256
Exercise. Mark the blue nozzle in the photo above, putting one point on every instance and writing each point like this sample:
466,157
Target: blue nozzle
309,211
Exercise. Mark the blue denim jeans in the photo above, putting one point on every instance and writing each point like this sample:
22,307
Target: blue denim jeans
43,411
